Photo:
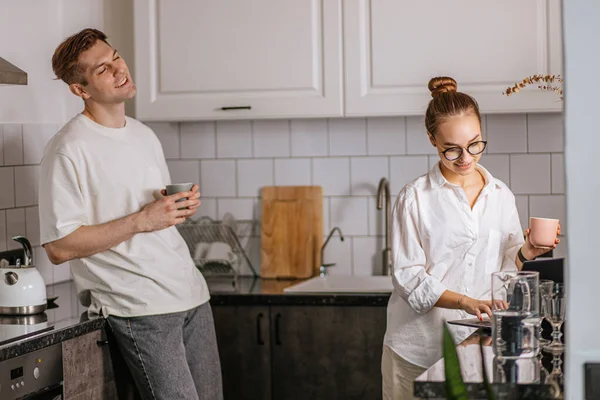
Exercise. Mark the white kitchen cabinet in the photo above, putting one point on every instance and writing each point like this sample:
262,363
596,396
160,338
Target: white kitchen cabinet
274,58
393,47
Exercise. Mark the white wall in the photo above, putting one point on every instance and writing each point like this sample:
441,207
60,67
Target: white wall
30,31
581,33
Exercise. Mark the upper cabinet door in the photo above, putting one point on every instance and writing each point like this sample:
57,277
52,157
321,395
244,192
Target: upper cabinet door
229,59
393,47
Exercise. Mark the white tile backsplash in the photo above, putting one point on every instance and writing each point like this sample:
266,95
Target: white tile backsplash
234,139
506,133
386,136
309,138
218,178
208,208
232,160
350,214
545,133
32,225
26,185
15,226
367,255
366,173
198,140
498,165
522,203
168,135
252,175
2,230
241,209
347,137
7,183
417,141
558,173
272,138
292,171
530,173
13,144
406,169
333,174
62,272
35,138
184,171
431,161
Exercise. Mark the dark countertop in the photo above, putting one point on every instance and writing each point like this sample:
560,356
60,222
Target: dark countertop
256,291
536,378
70,319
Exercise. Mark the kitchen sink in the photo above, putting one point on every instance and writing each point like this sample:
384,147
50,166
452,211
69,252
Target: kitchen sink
343,284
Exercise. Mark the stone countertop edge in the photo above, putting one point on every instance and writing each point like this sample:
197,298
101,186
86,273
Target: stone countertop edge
47,339
350,300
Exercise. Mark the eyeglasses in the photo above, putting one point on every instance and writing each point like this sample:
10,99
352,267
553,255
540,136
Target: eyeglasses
454,153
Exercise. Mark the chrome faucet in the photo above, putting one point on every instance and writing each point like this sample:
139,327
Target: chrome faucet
384,188
323,268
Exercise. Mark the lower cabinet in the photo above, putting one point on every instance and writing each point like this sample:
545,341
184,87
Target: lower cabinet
300,352
244,341
87,368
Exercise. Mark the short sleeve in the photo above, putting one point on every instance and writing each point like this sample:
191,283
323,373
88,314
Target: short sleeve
61,203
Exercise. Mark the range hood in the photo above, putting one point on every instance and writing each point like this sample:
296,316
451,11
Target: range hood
11,75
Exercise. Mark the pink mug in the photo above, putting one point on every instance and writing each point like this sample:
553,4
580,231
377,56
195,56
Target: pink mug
542,231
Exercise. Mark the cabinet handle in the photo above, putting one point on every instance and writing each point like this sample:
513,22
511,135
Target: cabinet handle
101,342
236,108
277,338
259,338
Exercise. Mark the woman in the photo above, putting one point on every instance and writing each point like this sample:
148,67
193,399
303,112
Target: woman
451,228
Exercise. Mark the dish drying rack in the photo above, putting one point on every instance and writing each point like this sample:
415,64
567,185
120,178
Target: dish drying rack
206,230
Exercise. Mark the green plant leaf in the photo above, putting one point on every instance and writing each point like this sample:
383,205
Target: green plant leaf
486,382
455,387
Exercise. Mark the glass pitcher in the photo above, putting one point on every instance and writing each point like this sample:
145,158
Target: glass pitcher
515,314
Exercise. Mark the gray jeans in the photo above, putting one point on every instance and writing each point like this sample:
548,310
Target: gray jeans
171,356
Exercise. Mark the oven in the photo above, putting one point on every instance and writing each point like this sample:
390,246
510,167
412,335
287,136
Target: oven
34,376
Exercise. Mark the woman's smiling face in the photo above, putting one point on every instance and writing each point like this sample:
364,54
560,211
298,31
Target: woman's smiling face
456,133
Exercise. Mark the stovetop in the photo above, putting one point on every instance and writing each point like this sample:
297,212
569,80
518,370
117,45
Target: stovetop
19,327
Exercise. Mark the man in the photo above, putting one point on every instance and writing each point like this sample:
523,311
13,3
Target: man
103,208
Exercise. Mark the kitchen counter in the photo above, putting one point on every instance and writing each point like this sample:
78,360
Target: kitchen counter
69,319
536,378
257,291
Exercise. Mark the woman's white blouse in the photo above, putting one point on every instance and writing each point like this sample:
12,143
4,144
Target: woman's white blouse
439,243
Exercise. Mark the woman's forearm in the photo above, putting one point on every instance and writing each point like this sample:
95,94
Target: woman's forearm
450,299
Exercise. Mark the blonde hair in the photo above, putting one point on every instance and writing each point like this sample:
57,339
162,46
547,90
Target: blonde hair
447,102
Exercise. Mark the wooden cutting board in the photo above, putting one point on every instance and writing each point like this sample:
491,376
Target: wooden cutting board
291,231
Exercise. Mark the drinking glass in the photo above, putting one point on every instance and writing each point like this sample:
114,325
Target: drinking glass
554,312
545,290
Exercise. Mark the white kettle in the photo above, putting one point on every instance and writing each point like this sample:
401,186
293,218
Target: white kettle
22,288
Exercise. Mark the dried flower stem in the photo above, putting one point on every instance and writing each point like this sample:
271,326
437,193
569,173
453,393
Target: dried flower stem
545,83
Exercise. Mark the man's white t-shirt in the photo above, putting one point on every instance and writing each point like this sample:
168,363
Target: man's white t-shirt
91,174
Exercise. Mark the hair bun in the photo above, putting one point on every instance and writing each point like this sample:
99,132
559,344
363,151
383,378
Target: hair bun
442,84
